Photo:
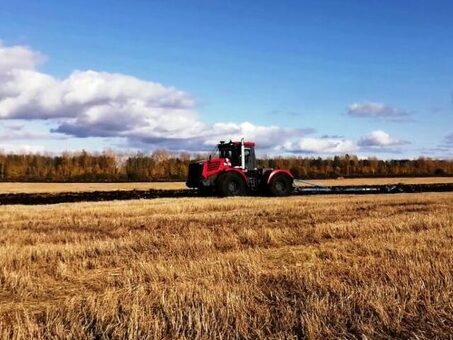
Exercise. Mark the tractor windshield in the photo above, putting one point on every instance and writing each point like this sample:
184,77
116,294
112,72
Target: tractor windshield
230,151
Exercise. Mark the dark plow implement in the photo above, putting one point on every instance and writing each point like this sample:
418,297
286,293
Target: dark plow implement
95,196
372,189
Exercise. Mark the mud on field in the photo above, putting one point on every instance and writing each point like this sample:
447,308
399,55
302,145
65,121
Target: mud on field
91,196
68,197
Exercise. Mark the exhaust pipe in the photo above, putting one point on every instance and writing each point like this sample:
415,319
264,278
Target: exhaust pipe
242,154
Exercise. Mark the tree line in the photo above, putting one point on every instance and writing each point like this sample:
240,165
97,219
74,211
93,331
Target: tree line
164,166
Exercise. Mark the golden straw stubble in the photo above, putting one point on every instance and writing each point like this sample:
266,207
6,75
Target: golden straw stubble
316,267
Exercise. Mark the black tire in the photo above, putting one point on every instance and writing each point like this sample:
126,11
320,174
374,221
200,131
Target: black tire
281,185
230,184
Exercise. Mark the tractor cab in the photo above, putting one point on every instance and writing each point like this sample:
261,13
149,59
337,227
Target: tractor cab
235,151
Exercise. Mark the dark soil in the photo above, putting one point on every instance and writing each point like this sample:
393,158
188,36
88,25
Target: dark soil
67,197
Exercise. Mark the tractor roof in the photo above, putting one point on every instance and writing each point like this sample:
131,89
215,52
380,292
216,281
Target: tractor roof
246,144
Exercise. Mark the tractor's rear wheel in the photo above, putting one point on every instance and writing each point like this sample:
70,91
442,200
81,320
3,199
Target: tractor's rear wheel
281,185
231,184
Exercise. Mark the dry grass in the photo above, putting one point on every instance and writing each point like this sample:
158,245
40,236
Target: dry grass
16,187
315,267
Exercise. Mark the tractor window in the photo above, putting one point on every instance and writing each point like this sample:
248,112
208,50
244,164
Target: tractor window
249,155
232,154
235,157
225,154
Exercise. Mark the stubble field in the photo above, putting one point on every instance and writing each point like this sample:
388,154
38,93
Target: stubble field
23,187
314,267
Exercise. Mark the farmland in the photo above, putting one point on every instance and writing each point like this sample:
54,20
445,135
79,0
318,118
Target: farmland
21,187
314,267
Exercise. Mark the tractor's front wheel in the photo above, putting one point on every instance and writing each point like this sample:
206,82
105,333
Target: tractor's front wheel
281,185
230,184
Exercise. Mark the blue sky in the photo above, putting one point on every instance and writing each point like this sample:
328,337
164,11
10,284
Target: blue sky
371,78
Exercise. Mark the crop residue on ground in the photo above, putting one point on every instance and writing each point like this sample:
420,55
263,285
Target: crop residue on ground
330,266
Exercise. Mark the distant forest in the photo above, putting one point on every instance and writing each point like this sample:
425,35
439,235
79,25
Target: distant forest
163,166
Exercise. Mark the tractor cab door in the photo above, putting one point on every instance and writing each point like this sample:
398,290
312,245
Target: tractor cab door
250,159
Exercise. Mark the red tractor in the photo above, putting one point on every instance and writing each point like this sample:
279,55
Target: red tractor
233,172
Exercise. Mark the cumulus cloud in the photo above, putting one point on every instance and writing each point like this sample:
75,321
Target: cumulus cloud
21,148
265,136
143,113
321,145
18,57
376,141
101,104
27,135
376,110
28,94
91,103
380,139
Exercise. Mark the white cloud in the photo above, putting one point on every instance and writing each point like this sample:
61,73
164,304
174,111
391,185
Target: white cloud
18,57
376,110
321,145
265,136
27,135
380,139
29,94
102,104
21,148
376,141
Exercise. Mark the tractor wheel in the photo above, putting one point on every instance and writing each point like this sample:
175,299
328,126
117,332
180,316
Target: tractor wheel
281,185
230,184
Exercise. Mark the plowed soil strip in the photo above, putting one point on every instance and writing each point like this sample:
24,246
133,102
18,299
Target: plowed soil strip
68,197
92,196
